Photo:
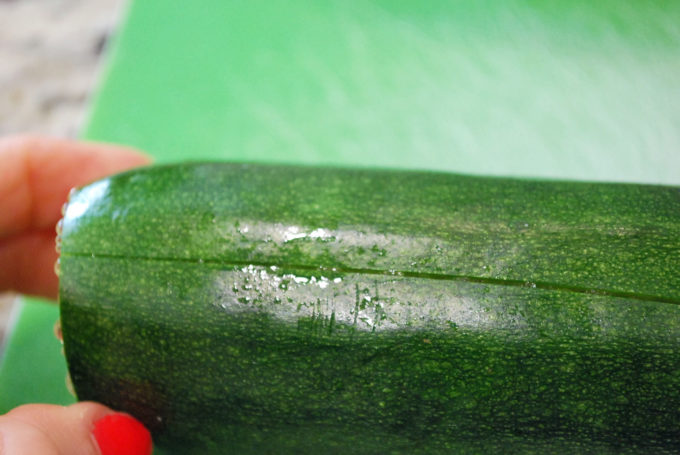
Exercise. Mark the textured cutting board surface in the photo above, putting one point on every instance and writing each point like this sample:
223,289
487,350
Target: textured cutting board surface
561,89
570,90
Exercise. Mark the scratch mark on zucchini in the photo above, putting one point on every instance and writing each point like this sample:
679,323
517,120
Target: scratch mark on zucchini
409,274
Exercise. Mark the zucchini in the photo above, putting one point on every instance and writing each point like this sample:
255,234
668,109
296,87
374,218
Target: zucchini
240,308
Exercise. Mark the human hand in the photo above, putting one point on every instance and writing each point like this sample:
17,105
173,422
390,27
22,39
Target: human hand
81,429
36,175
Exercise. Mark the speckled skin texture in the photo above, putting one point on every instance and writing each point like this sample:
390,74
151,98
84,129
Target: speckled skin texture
273,309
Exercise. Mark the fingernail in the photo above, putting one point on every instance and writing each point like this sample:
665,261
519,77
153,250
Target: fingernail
121,434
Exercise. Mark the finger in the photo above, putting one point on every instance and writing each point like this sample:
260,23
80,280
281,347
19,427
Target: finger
49,429
81,429
36,175
27,264
18,438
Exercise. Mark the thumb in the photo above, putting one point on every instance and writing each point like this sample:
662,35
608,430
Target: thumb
80,429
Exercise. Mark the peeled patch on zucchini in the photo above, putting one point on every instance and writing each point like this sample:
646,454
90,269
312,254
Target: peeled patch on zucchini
241,308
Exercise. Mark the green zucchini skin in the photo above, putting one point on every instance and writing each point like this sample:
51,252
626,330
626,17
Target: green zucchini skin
279,309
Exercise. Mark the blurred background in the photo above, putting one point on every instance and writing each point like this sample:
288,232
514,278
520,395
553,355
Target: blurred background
50,54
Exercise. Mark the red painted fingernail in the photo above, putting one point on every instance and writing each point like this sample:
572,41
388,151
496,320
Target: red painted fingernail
121,434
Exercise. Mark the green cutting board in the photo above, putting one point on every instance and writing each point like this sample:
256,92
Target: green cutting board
561,89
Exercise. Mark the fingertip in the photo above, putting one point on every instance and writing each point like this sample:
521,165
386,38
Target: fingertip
50,429
117,156
36,174
122,434
89,411
85,161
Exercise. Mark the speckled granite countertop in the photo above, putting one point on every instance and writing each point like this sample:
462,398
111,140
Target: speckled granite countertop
50,54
